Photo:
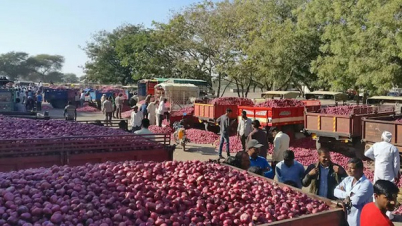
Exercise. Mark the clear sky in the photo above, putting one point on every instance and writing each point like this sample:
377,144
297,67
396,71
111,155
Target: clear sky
61,26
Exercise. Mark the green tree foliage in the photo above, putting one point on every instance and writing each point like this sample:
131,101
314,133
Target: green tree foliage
14,65
105,65
359,43
70,78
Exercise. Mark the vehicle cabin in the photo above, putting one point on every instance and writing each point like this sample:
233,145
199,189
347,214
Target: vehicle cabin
327,95
177,94
280,94
386,100
204,87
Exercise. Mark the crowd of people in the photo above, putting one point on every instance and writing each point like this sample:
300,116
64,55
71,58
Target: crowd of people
365,203
28,98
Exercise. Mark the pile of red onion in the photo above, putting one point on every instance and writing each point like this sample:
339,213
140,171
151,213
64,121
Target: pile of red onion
182,111
126,114
232,101
159,130
111,89
347,110
46,107
281,103
198,136
19,128
234,144
87,108
146,193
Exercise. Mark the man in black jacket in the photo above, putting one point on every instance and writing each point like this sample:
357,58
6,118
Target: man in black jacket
324,176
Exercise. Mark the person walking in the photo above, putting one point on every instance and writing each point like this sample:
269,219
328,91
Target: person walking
152,112
324,176
224,123
119,105
108,111
385,198
244,129
77,100
258,134
386,161
136,119
289,170
281,144
144,106
355,190
161,112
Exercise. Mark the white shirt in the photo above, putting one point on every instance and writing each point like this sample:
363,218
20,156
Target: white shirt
281,144
362,194
161,109
136,118
244,127
386,158
151,108
145,131
82,96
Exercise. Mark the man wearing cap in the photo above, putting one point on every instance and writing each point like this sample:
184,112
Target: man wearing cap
253,147
281,144
386,160
259,135
289,170
244,129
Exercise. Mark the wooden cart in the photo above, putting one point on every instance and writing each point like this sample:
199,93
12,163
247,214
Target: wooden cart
332,217
33,153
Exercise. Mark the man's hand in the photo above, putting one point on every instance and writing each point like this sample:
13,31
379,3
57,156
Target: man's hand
341,188
313,172
338,169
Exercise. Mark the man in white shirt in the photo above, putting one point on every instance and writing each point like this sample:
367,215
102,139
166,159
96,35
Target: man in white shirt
355,189
144,130
281,144
152,111
161,112
386,161
82,98
107,109
136,119
119,105
244,129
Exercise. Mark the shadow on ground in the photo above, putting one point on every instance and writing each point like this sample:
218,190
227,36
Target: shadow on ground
201,150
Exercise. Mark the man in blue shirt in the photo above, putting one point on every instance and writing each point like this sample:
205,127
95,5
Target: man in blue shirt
289,170
355,189
39,102
253,148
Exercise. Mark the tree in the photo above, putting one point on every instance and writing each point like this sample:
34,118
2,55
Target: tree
105,65
45,67
70,78
359,43
14,65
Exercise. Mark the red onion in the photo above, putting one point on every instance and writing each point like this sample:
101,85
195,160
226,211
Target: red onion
281,103
232,101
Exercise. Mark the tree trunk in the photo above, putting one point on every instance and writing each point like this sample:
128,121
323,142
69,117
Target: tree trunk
237,86
219,84
224,90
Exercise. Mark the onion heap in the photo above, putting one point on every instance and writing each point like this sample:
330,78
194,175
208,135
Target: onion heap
346,110
19,128
241,101
87,108
157,129
198,136
234,144
281,103
187,110
146,193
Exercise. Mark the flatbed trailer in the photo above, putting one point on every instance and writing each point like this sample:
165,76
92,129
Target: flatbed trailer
342,133
332,217
17,154
373,127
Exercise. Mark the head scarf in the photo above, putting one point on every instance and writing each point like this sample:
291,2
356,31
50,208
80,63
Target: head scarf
386,136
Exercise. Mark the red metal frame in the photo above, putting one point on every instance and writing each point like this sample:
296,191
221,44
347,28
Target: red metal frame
274,116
